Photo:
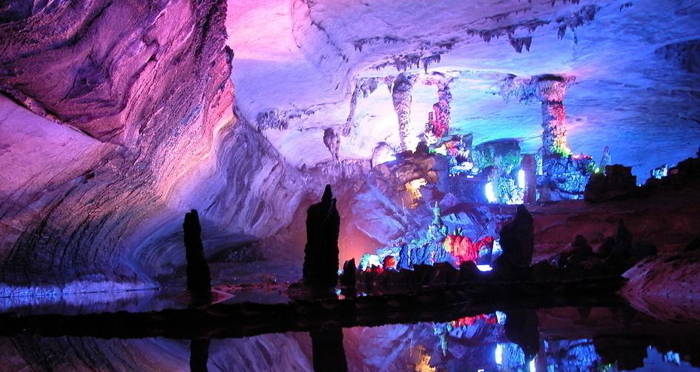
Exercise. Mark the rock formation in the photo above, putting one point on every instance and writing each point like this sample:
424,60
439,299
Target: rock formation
401,96
617,181
328,351
198,276
321,252
517,242
112,94
347,279
521,328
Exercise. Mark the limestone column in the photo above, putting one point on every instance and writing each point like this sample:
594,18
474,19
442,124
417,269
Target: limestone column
550,90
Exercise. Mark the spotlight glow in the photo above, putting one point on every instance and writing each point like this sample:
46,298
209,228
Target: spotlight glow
490,194
498,354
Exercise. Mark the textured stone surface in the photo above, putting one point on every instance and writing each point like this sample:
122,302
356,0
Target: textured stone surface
632,61
122,129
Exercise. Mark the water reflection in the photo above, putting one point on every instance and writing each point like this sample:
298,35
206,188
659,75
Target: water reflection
558,339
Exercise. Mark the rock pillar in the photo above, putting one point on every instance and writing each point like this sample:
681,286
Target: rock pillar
321,252
550,89
198,277
517,242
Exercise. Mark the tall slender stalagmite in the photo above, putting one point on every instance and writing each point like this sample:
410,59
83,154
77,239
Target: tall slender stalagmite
198,277
321,252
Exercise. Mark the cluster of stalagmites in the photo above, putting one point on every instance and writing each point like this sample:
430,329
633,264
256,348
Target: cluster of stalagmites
613,257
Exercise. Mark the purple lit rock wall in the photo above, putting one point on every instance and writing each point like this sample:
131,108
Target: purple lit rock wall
116,117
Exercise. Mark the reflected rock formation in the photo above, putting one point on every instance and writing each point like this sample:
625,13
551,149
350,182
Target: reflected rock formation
328,350
521,329
199,355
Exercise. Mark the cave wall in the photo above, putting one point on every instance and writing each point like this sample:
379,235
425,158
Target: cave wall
116,117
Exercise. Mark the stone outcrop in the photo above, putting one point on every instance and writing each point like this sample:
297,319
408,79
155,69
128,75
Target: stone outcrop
321,252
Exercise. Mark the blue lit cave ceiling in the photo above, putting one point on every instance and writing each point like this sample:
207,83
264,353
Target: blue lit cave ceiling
301,67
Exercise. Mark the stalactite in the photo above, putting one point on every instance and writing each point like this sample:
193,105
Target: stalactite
332,142
401,96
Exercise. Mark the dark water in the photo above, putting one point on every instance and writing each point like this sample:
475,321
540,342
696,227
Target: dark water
553,339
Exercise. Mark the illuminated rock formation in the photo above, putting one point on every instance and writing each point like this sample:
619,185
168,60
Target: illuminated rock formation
118,117
144,126
401,96
551,90
439,119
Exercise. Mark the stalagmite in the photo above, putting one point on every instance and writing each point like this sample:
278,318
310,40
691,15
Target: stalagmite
198,278
517,242
332,142
321,252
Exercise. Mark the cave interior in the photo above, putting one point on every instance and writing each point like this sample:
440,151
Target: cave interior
333,185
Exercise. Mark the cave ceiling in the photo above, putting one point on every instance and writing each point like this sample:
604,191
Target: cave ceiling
298,64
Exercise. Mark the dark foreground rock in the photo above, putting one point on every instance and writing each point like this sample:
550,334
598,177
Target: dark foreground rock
517,241
615,182
198,276
321,252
